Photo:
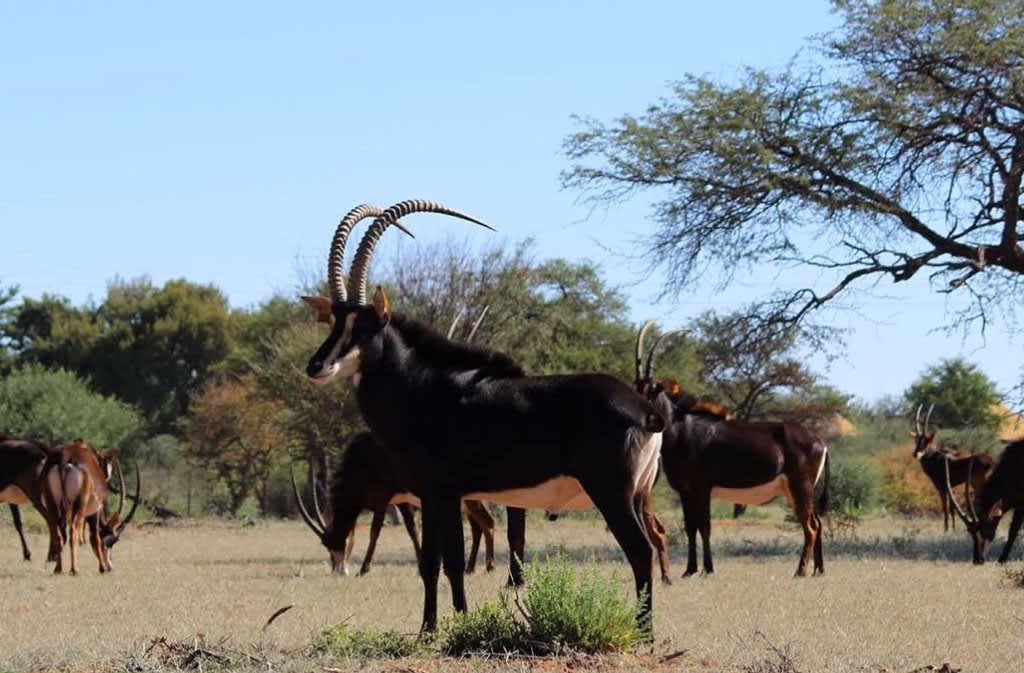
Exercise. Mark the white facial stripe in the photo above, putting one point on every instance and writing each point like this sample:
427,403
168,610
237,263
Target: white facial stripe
346,337
349,365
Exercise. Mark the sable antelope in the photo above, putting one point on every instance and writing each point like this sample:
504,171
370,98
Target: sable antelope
21,462
367,479
75,490
465,422
707,454
1001,492
935,461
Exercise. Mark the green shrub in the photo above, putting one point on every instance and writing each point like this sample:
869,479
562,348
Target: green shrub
341,640
490,629
567,607
853,485
56,406
578,608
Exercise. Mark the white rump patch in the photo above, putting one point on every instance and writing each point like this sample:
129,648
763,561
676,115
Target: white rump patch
647,461
12,495
755,495
821,465
561,494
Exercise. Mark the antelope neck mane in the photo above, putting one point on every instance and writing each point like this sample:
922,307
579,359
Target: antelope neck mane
434,350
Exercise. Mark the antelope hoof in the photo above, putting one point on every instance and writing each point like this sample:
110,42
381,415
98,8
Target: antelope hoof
689,573
365,570
666,580
490,566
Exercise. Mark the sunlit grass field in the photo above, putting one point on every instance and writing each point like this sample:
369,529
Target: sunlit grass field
898,595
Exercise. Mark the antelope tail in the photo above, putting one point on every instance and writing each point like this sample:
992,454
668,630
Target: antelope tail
822,504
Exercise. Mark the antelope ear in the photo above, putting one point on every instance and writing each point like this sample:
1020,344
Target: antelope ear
381,305
321,307
674,388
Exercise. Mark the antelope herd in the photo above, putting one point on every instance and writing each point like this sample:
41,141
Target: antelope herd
69,485
452,425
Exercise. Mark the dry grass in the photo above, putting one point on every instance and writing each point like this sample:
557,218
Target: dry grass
897,597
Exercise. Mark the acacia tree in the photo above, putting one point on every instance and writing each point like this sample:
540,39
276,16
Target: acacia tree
964,397
766,377
899,154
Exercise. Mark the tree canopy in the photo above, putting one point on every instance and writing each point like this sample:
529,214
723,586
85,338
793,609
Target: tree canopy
898,153
151,347
964,397
56,406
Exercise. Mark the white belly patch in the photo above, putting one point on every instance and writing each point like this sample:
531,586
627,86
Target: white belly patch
755,495
560,494
13,495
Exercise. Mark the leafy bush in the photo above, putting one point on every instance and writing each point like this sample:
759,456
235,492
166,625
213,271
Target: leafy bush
56,406
490,629
905,487
341,640
853,485
566,607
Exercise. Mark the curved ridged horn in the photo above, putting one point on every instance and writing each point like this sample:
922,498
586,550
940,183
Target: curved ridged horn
476,325
455,323
302,507
120,482
956,504
917,420
135,503
640,348
928,417
361,262
967,488
336,257
649,369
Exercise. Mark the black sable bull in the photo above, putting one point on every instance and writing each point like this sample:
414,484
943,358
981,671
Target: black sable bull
467,424
1002,491
706,455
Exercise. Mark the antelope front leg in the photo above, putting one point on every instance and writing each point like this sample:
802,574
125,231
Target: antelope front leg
1011,535
16,516
430,563
375,526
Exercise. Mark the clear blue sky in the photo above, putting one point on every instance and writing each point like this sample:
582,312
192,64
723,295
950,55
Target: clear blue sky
221,142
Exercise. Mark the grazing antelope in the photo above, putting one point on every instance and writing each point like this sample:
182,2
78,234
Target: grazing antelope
21,462
367,479
465,422
935,462
75,490
707,454
1001,492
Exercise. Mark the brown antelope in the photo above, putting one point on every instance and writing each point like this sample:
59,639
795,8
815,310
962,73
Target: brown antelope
935,462
75,490
367,479
706,454
466,422
1001,492
21,463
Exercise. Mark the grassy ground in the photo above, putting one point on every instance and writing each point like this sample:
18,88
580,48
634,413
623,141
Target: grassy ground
898,595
